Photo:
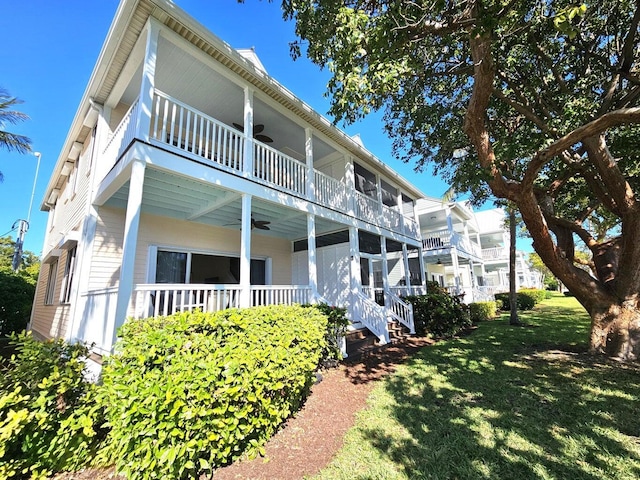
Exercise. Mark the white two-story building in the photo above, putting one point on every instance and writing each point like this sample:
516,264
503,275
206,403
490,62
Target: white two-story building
190,178
467,251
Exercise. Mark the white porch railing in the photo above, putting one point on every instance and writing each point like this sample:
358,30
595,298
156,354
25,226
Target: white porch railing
280,294
400,310
392,218
161,299
276,168
177,124
330,192
403,291
366,207
372,316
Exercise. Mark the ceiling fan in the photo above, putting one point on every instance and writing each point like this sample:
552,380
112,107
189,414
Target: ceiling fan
257,132
259,224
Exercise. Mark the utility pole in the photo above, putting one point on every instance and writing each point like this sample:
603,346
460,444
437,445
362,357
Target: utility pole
23,225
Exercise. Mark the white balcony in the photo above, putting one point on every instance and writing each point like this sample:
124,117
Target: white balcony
178,127
446,239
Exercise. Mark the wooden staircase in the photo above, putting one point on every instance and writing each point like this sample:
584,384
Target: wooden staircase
361,342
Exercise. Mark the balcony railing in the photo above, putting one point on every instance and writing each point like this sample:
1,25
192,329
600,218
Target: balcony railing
447,239
179,126
496,253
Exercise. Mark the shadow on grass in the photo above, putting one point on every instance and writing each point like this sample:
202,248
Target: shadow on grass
510,402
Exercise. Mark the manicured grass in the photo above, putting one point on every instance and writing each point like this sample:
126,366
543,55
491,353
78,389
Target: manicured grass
502,403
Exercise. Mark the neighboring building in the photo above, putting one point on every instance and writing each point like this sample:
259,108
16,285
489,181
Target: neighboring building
192,179
468,252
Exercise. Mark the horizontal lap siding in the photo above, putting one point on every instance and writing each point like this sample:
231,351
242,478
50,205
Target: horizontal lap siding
107,249
169,232
50,321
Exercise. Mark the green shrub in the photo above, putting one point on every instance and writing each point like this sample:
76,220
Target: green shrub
482,311
337,323
537,294
527,298
438,313
16,299
189,393
48,417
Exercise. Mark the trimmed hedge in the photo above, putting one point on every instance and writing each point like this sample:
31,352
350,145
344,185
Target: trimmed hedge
48,417
438,313
482,311
527,298
189,393
16,299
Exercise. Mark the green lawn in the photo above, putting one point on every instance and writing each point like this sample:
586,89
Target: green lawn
505,403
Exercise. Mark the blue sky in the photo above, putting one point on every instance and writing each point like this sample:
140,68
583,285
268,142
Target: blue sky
49,51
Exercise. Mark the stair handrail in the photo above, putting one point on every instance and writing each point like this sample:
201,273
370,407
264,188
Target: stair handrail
372,316
400,311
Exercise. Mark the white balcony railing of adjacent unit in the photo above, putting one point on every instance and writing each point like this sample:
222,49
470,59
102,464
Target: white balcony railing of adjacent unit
182,127
495,253
280,294
446,239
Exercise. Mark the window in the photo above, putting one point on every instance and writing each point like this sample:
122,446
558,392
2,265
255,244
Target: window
51,283
68,275
191,267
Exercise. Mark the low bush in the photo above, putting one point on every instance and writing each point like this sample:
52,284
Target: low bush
438,313
48,418
189,393
527,298
482,311
537,294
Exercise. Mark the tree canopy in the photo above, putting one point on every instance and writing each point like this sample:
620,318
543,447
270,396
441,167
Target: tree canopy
11,141
535,102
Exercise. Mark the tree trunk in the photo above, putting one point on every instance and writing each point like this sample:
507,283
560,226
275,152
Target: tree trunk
615,332
513,294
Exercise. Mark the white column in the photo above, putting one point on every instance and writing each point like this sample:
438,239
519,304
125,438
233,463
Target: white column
247,164
456,269
147,87
354,254
130,242
308,153
423,275
245,252
385,266
311,244
350,179
407,272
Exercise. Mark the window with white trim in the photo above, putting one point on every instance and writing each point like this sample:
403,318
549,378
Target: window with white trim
51,283
68,275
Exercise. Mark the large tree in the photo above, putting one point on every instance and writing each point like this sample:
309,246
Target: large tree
535,102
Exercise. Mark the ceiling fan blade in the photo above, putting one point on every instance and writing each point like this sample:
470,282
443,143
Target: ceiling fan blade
238,126
258,128
263,138
262,227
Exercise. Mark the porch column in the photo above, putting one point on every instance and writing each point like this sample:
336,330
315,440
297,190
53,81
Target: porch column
423,272
245,252
385,265
247,164
350,179
311,244
354,255
456,269
308,153
130,243
407,272
145,107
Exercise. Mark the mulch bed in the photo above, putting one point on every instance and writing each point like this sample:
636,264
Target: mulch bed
309,440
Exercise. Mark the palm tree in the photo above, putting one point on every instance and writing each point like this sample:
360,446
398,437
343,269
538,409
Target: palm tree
12,141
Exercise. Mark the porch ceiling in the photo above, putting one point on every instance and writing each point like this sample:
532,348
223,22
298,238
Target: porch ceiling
177,197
